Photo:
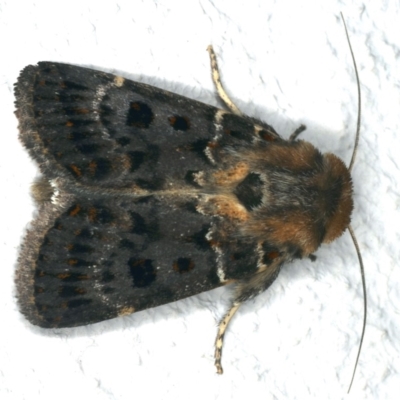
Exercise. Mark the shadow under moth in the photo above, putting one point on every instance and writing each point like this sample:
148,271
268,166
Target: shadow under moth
147,197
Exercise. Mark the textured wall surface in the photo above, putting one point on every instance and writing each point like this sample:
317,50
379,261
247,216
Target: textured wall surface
286,62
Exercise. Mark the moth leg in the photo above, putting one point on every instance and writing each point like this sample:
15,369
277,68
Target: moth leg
297,132
219,341
218,85
245,290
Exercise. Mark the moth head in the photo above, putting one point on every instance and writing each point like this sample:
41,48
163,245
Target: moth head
337,198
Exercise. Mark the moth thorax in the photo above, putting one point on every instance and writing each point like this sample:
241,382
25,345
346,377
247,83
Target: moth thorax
336,198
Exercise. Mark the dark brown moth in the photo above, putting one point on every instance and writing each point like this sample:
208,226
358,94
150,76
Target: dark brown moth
147,197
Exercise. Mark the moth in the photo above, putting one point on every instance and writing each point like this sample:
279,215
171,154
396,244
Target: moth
147,197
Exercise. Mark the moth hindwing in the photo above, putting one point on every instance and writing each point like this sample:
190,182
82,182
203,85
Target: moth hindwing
147,197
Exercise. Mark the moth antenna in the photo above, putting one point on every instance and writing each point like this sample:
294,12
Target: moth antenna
353,157
352,234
